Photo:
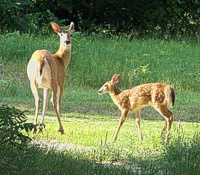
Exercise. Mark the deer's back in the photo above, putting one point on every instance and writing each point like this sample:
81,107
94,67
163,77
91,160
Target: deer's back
43,69
145,95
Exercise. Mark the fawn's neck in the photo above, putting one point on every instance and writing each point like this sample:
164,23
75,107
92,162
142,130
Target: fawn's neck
115,95
114,92
64,55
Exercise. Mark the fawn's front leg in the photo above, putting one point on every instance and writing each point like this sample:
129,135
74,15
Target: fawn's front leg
121,121
137,120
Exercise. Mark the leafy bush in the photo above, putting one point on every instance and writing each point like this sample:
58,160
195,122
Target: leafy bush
12,123
25,16
139,17
10,14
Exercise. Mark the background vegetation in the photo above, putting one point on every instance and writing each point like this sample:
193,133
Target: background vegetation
139,17
96,58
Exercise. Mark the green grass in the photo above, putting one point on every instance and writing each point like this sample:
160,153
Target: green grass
89,150
90,120
95,59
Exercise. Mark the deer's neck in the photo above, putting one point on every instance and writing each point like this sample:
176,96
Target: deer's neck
114,93
64,55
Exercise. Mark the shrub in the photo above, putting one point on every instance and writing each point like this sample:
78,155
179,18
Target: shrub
12,123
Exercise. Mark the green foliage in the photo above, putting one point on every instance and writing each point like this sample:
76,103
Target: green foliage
139,17
12,123
11,12
25,16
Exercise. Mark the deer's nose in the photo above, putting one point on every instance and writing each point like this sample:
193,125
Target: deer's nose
99,91
67,42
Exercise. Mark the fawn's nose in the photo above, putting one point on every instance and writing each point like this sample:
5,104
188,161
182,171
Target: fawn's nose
99,92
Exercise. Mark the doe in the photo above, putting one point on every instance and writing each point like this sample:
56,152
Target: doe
47,71
157,95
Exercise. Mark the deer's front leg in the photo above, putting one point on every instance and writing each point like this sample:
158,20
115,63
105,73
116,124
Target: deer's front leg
121,121
137,120
54,102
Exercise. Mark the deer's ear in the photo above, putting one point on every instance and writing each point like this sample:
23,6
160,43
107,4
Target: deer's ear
115,78
55,27
71,27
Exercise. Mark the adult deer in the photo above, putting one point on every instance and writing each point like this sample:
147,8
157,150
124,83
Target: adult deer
47,71
157,95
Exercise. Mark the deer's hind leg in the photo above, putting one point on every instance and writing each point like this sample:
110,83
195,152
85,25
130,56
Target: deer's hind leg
167,114
45,104
34,90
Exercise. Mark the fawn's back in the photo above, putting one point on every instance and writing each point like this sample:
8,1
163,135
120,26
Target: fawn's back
144,95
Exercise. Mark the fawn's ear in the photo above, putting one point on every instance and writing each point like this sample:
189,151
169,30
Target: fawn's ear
55,27
71,27
115,78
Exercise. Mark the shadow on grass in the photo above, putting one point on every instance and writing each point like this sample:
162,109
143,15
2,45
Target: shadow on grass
34,160
181,157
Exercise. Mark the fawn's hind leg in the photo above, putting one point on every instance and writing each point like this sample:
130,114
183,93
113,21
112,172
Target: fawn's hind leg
167,114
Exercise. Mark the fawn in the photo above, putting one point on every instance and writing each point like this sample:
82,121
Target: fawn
157,95
47,71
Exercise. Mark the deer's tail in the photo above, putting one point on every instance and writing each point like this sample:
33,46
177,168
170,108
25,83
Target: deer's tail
40,65
171,96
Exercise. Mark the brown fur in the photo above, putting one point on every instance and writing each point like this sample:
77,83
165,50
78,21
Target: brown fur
157,95
47,71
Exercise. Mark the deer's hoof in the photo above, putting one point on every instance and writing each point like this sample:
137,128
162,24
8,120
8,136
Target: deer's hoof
163,135
40,127
114,139
61,130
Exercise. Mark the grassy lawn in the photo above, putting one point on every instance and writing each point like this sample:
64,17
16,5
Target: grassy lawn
90,120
